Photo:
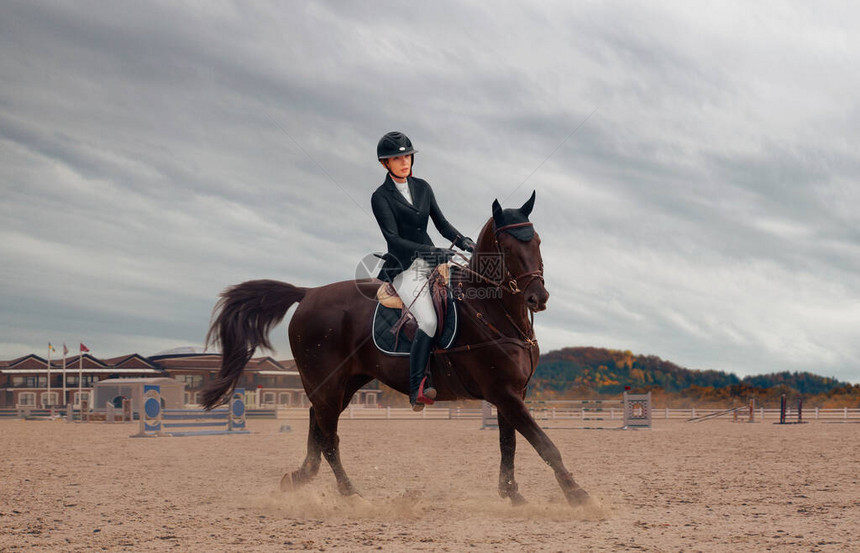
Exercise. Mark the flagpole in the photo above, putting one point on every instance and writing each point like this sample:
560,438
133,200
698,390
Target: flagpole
80,375
49,373
65,351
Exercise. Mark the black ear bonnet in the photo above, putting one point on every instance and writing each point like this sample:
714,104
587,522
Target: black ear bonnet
515,221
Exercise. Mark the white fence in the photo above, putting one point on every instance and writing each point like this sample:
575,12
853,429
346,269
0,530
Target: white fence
388,413
544,414
667,413
557,413
761,413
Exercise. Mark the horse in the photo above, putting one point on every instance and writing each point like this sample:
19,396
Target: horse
493,356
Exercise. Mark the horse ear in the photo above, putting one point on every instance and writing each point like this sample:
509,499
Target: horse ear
497,214
527,207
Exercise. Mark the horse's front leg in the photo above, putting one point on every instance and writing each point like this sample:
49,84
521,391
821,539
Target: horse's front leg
508,444
512,408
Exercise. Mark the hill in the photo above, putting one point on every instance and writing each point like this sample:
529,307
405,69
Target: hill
588,370
804,383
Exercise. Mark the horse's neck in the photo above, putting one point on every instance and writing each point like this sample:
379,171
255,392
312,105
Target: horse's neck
515,306
486,238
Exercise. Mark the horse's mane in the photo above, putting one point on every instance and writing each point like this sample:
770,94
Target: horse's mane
484,243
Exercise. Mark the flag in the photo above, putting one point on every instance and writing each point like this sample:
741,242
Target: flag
65,349
84,348
50,347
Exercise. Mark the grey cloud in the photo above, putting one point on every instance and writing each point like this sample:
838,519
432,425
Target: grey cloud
153,154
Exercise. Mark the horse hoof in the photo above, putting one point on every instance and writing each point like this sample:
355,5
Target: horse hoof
287,483
578,498
517,500
510,491
347,489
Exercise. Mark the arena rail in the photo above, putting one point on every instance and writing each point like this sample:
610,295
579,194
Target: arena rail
669,414
27,412
835,415
388,413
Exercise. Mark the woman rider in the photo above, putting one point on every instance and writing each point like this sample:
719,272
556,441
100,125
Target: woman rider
402,205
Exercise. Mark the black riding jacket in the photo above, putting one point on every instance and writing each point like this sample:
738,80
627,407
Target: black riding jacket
404,225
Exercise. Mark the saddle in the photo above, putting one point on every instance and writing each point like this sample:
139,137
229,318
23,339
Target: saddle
387,295
394,326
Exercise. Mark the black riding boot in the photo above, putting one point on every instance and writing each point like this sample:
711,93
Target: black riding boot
419,355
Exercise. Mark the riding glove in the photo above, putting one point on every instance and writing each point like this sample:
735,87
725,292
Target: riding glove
467,244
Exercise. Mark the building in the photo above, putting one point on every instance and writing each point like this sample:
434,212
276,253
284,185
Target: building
29,381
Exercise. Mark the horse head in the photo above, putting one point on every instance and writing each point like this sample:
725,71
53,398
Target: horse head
511,236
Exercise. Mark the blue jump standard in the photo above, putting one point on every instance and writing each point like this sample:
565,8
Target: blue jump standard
157,421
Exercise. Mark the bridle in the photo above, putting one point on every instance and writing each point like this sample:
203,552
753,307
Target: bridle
513,281
510,283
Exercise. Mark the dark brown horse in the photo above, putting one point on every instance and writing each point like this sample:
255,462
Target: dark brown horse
493,357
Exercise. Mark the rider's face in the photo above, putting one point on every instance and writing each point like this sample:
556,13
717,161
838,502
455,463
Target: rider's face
399,166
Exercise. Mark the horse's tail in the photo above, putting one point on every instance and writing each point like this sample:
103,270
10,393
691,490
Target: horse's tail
241,322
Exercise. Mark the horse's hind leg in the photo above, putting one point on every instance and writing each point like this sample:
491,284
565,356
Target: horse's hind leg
325,443
311,465
508,487
327,419
330,446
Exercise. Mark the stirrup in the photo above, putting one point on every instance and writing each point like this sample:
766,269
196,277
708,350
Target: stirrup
425,397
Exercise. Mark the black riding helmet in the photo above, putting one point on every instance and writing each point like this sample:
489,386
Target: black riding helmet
394,144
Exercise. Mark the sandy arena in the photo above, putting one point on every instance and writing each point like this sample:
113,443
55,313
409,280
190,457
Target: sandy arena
431,486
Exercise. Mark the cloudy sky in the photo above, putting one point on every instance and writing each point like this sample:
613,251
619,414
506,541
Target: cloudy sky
695,164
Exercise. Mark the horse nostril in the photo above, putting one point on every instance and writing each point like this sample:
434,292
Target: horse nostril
536,302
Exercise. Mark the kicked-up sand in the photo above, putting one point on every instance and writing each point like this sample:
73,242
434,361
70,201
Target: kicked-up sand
430,486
